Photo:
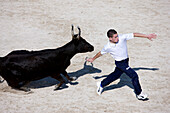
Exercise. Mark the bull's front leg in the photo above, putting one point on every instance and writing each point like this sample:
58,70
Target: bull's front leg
68,77
59,78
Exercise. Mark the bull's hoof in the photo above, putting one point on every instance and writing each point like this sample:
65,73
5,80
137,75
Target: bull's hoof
26,89
56,88
73,78
59,87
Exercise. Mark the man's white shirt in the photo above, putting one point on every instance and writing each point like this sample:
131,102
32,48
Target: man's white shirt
119,50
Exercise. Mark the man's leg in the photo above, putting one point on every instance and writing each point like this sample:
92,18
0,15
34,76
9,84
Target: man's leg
124,66
135,80
132,74
111,77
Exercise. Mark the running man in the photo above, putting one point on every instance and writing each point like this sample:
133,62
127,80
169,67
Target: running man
117,47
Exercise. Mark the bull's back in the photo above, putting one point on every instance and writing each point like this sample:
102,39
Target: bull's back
33,66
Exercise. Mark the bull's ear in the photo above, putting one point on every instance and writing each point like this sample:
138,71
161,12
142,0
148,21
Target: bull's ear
79,34
72,31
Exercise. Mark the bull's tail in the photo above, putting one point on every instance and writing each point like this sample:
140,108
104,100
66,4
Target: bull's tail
0,60
1,79
0,64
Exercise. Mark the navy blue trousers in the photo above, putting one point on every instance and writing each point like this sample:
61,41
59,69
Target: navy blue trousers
123,67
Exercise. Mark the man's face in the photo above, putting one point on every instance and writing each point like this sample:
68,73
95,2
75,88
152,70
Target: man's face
114,38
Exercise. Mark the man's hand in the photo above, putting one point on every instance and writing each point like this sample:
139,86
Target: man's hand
151,36
90,60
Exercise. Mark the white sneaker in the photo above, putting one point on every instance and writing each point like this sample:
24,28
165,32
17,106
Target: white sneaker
142,96
99,88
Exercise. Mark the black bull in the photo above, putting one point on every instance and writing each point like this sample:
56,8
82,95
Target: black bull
20,67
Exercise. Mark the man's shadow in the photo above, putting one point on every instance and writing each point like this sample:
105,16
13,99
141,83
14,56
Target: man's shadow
124,79
48,81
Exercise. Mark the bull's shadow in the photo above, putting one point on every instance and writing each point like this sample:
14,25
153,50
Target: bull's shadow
87,69
124,79
48,81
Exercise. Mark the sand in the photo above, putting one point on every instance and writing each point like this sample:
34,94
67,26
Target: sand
41,24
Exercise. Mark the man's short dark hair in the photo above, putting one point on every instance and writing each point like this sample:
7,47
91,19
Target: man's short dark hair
111,32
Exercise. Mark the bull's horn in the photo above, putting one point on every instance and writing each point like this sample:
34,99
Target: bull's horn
79,34
72,31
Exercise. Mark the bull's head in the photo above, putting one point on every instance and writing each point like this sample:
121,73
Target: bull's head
81,44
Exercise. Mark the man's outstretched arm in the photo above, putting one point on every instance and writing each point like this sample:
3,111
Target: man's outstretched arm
149,36
96,56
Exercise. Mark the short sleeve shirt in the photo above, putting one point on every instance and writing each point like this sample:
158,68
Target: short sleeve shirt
119,50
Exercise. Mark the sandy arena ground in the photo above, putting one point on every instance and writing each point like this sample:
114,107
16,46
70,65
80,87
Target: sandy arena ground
42,24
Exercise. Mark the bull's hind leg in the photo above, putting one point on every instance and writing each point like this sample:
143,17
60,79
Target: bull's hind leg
13,78
18,86
59,78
